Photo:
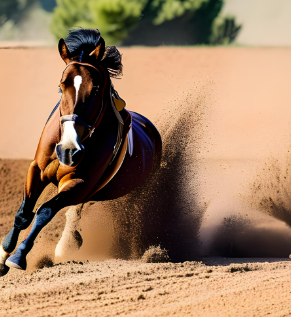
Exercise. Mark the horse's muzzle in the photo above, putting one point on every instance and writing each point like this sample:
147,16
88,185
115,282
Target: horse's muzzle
70,157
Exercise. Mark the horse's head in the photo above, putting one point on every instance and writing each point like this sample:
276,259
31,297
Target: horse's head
82,86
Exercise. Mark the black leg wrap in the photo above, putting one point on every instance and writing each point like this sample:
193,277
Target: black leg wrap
22,221
43,216
10,241
24,217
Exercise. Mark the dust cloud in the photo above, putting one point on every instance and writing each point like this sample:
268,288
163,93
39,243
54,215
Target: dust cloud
193,205
161,212
223,185
245,175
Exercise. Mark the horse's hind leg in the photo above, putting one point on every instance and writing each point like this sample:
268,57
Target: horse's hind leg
33,188
71,239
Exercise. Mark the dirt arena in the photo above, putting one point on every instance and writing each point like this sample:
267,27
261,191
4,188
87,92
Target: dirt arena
220,204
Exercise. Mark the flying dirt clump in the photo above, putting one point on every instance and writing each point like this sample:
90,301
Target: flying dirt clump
155,254
45,261
242,268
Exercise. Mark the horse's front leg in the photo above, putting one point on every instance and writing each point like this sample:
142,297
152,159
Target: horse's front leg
44,215
33,188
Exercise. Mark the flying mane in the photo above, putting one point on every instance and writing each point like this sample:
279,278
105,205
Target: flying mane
81,42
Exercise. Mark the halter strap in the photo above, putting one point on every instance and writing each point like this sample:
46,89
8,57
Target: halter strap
76,119
79,63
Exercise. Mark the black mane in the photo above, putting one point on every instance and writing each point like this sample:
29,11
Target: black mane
81,42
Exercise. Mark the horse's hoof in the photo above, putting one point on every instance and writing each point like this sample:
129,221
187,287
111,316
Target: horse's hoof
69,243
13,265
3,269
17,261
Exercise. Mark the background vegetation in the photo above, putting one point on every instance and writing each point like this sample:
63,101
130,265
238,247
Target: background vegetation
128,22
27,19
148,22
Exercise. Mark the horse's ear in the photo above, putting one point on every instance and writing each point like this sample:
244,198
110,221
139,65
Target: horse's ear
63,50
99,51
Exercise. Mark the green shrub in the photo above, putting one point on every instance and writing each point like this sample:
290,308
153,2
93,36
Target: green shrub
224,30
67,14
147,22
168,10
114,18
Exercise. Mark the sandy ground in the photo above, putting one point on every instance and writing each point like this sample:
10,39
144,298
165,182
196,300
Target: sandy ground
222,195
119,288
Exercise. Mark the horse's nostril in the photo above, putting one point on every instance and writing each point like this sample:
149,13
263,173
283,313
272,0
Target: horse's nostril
69,157
76,155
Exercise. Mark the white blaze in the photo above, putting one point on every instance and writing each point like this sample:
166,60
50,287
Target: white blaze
70,136
77,84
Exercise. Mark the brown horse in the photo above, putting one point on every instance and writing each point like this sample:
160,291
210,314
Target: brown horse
91,147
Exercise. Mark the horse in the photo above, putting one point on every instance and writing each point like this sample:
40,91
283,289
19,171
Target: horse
91,147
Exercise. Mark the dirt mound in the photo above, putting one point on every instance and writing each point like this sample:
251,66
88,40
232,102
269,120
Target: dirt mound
155,254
